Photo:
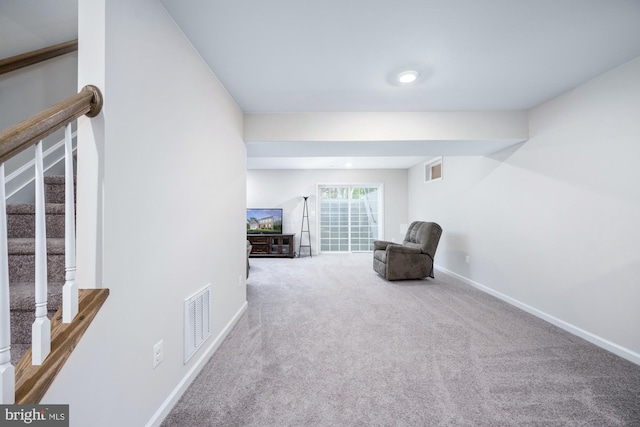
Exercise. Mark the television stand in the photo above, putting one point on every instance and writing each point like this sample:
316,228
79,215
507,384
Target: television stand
271,245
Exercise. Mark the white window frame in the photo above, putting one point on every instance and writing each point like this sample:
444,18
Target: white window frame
379,185
428,170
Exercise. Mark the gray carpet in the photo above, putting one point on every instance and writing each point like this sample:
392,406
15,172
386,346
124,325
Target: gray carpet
327,342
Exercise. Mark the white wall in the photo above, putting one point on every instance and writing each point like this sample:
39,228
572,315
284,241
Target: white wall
171,183
285,188
25,26
553,223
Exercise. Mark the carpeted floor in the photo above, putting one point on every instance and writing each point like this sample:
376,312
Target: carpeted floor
327,342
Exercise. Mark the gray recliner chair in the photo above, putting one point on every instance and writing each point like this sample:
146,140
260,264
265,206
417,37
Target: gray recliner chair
249,247
413,259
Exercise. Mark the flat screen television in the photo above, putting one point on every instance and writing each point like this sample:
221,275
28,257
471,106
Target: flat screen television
264,221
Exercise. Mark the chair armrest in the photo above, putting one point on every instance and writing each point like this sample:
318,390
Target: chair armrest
400,249
381,244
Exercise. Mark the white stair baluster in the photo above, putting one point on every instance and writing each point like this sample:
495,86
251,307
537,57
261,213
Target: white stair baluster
70,288
41,329
7,371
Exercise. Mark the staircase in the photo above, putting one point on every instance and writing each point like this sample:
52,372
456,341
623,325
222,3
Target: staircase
26,383
21,246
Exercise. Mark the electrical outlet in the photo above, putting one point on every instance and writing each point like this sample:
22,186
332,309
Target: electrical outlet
467,259
158,354
240,281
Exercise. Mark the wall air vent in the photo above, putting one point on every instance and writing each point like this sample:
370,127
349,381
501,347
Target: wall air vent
197,321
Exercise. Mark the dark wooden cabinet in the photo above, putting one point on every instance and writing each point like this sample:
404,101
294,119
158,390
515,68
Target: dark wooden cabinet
272,245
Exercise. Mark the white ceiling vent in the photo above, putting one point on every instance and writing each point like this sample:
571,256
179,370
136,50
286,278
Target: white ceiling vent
197,321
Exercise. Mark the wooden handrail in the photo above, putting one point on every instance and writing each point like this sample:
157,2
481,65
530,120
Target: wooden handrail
22,135
24,60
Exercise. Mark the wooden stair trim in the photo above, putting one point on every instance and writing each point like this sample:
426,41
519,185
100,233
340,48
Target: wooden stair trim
32,382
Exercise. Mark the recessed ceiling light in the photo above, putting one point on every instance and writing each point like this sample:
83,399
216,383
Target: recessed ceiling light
348,165
408,76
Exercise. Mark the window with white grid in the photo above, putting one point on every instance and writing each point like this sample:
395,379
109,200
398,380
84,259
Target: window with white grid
349,217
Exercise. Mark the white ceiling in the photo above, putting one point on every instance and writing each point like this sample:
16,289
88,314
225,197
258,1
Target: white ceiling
341,56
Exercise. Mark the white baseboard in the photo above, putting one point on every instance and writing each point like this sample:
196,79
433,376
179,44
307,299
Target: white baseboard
182,386
594,339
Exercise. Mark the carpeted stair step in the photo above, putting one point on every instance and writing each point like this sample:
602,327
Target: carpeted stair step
21,220
22,259
22,302
21,246
17,351
54,189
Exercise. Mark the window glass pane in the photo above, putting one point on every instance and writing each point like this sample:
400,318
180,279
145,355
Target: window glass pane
348,218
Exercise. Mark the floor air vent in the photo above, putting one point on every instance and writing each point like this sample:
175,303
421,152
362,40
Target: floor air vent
197,321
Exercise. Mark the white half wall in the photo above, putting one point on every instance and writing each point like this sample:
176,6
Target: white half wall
286,188
382,134
387,126
553,223
169,189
